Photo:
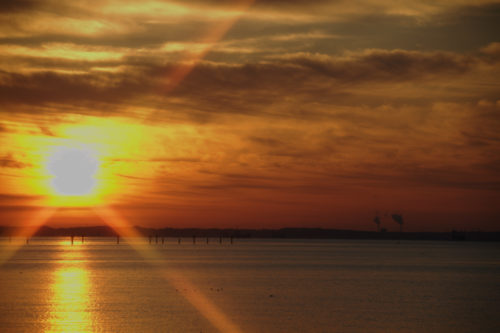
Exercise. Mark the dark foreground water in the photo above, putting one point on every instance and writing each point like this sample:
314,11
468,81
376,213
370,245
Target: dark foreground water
257,285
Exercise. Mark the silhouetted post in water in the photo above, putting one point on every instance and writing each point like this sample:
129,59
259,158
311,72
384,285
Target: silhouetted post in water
150,239
117,239
83,239
72,239
220,239
162,240
231,239
179,240
156,238
377,222
194,239
207,240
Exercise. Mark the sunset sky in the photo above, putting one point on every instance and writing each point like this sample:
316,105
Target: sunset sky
253,114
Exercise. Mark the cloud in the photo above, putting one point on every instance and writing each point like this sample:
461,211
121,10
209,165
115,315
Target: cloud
266,141
492,52
309,82
46,131
7,161
18,208
16,197
444,26
52,87
383,65
10,6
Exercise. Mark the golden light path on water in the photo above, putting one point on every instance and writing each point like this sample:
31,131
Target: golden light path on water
71,284
70,289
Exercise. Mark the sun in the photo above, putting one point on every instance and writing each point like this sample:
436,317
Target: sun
73,172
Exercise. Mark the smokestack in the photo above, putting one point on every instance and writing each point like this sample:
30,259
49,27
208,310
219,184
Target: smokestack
398,218
377,222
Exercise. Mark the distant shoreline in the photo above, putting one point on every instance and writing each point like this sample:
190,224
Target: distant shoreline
283,233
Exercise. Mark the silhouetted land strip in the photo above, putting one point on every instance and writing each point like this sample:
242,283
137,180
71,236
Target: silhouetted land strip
284,233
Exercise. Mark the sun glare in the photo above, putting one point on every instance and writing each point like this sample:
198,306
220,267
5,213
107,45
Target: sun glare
86,161
73,170
73,174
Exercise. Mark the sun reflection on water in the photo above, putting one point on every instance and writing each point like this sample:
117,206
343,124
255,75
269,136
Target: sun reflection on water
70,310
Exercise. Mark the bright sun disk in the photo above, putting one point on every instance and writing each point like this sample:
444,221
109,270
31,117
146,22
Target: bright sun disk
73,171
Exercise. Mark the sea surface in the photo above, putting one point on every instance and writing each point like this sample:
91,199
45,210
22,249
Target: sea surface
50,285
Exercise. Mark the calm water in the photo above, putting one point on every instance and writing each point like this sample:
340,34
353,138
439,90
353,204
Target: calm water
258,285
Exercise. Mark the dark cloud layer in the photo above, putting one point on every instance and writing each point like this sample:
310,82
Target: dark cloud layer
217,84
10,6
8,161
380,65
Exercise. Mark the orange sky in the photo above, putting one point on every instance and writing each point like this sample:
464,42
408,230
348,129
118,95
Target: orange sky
256,114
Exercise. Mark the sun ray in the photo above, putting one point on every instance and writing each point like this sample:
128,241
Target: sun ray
39,218
189,291
208,41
